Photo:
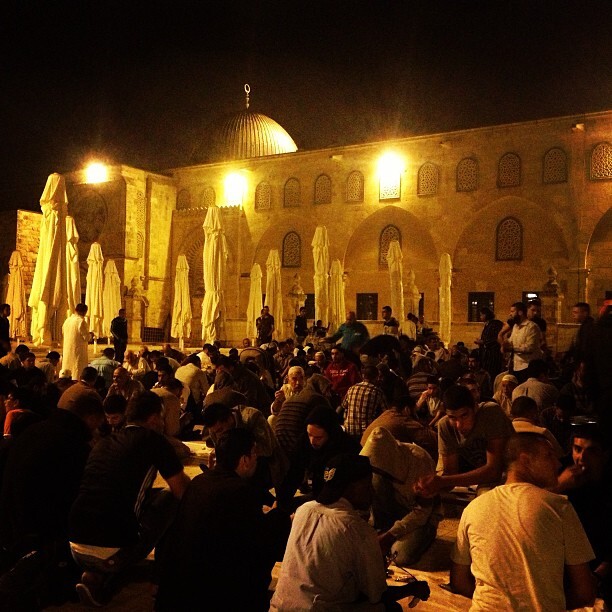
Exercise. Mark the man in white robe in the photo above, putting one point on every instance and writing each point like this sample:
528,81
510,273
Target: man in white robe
76,337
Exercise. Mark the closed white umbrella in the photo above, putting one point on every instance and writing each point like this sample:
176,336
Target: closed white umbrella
215,264
181,308
414,295
15,298
320,254
94,298
48,294
274,292
337,308
255,303
446,270
73,273
111,296
396,278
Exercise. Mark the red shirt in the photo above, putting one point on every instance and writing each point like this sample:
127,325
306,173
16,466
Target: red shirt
342,376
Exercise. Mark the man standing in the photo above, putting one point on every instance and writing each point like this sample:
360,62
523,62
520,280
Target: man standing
581,314
525,341
362,403
333,560
5,333
76,337
300,326
265,326
520,547
353,333
390,324
118,518
119,332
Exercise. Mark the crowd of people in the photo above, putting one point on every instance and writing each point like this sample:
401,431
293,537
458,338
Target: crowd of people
331,453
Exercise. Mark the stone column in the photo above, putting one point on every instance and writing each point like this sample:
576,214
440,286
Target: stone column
552,305
135,302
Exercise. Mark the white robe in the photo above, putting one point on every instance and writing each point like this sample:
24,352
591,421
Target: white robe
76,337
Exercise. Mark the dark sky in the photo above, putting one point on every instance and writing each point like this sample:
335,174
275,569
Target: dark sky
141,83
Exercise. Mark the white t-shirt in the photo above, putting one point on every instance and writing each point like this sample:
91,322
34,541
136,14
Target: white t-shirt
517,539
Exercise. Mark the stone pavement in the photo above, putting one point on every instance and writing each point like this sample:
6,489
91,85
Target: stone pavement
137,596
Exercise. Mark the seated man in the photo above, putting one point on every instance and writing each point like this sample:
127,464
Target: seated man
271,461
105,365
82,392
295,383
524,413
537,386
406,523
333,560
471,444
114,412
587,482
220,523
117,518
362,403
429,407
124,385
341,372
520,547
400,422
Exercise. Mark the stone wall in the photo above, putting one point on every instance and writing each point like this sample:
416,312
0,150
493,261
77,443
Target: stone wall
28,237
557,211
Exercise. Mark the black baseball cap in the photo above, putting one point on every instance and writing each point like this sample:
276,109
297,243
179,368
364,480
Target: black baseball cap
341,471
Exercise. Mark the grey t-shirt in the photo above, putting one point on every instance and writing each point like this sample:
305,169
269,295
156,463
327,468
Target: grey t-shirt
491,422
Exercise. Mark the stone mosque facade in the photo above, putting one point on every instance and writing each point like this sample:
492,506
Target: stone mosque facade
520,208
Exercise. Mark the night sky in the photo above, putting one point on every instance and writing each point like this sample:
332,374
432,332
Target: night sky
142,83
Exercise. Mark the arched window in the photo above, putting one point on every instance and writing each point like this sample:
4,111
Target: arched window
183,199
292,250
292,193
323,190
509,240
467,174
601,161
428,178
554,167
509,171
354,187
389,233
208,197
263,196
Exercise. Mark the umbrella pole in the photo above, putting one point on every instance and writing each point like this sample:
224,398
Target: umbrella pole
95,346
181,344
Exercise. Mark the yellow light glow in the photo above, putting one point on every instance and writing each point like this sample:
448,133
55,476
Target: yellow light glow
96,173
390,165
235,188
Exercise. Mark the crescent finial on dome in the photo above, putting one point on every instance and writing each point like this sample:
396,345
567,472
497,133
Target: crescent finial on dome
247,90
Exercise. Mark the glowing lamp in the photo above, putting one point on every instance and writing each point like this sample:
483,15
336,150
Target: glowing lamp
96,173
390,168
235,188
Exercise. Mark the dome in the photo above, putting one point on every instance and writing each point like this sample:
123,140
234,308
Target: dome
247,134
